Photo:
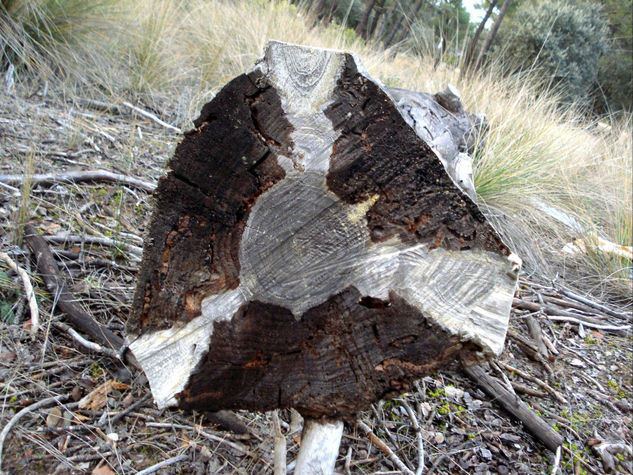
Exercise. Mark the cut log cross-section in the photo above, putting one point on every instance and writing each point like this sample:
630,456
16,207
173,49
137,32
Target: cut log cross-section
309,249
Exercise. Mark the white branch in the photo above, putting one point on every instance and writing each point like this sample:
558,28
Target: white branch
279,443
86,343
28,292
153,117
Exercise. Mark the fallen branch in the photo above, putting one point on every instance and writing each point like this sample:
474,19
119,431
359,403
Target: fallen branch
577,321
102,241
537,335
384,447
27,410
239,447
89,345
596,305
555,314
56,285
78,177
524,389
153,117
28,292
515,406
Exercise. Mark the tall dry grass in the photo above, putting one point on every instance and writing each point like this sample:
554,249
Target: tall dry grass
540,169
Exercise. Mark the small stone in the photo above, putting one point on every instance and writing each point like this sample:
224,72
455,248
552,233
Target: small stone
76,393
54,417
128,401
485,453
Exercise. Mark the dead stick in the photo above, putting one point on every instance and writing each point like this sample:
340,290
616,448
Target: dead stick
537,335
56,285
153,117
418,433
279,446
524,389
28,292
535,380
561,315
80,176
596,305
515,406
384,447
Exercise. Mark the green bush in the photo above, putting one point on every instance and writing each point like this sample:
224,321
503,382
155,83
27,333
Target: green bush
562,40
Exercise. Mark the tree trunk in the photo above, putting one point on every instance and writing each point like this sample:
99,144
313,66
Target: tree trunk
492,34
375,19
361,29
316,9
383,21
333,7
309,249
394,30
473,43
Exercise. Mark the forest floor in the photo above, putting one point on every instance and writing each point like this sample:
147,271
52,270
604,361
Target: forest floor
104,420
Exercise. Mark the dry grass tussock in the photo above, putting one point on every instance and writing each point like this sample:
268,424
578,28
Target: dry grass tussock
173,55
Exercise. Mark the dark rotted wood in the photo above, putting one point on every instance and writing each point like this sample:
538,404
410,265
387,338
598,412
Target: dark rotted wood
218,171
378,153
340,357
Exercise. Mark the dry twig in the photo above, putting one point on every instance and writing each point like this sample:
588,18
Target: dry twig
27,410
418,434
28,292
78,177
384,447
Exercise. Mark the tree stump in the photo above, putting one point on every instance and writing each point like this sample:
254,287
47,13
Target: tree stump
308,249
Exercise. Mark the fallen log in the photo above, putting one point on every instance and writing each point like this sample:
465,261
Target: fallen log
308,249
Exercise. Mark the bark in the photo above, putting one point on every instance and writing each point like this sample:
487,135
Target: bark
491,35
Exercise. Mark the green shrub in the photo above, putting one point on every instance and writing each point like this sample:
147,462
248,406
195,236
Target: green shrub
562,40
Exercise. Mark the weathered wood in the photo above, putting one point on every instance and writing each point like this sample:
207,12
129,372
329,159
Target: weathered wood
319,446
309,250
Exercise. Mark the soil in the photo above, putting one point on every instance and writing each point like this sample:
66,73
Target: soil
463,430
